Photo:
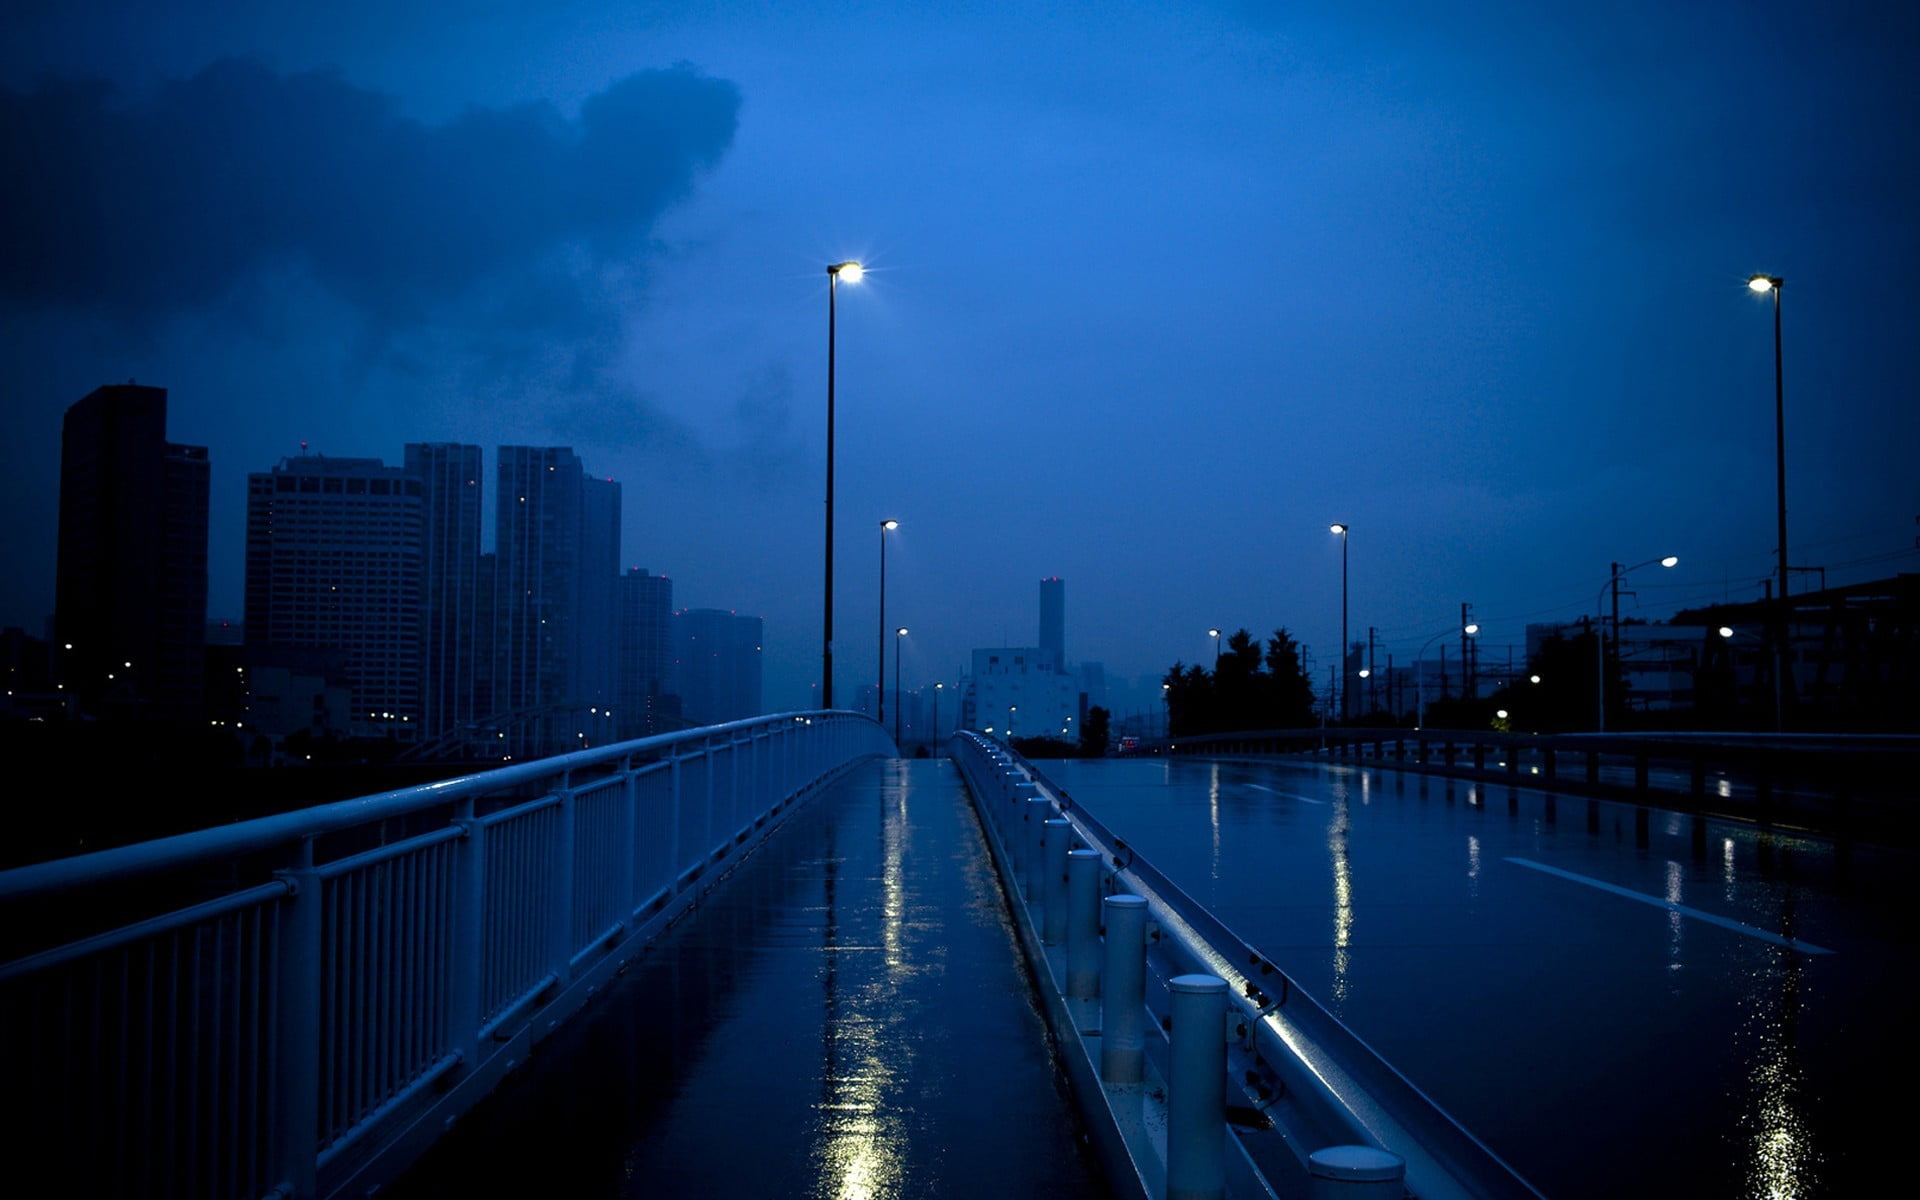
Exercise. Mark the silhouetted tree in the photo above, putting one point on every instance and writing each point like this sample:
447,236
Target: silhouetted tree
1247,689
1290,703
1093,733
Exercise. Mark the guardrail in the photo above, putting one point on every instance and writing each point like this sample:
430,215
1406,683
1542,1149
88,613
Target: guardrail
295,1006
1160,1011
1845,784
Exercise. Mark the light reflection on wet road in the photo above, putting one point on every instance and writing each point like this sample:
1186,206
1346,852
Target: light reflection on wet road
1618,1001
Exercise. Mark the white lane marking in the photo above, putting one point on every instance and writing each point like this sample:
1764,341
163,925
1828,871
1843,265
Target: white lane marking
1683,910
1285,795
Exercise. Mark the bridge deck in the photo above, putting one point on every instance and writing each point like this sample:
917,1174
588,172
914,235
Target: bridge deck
845,1016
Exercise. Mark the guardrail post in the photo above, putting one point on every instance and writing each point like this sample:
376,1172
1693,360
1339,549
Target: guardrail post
297,987
1196,1083
1356,1173
1083,924
563,885
1123,990
1055,834
1033,836
469,935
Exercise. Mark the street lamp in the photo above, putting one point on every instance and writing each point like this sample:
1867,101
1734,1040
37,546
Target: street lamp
1343,529
851,272
1420,676
935,734
880,688
1215,635
1764,284
1599,648
897,635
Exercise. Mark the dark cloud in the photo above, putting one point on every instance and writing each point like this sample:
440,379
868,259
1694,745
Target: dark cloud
144,208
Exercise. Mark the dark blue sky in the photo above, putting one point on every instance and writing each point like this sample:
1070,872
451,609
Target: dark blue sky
1156,293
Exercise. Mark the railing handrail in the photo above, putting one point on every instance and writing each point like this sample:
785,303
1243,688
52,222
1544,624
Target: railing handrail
260,833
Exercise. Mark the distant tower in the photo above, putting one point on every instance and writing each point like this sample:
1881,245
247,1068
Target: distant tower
1053,620
455,638
717,665
334,576
131,584
643,652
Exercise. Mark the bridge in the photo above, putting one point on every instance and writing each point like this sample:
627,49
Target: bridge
500,979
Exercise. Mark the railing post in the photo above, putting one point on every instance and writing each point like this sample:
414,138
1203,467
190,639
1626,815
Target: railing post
297,1082
1034,836
469,935
563,885
1055,834
1083,924
1356,1173
1196,1083
1123,990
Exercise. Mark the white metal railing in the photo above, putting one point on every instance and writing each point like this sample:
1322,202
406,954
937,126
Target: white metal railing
1122,954
287,1006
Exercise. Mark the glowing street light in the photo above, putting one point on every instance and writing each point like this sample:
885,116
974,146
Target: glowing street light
1763,284
851,272
1343,529
1215,635
880,687
897,635
1420,677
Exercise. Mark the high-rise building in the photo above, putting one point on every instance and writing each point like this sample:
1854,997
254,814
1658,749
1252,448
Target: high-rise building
595,636
1053,620
537,552
557,552
131,585
454,640
716,665
644,643
333,584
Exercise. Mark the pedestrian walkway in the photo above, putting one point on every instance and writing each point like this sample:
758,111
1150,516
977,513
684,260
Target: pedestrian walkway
845,1016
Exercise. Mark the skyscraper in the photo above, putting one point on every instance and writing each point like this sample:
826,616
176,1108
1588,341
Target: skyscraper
717,665
131,582
454,638
1053,620
334,576
556,546
645,652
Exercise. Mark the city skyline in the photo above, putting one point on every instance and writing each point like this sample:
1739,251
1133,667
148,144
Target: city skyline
1473,284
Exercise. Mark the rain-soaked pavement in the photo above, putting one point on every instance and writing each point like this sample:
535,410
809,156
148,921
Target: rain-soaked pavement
1619,1001
845,1016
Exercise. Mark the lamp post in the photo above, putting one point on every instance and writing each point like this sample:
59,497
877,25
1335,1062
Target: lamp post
1615,572
851,272
935,735
1764,284
1420,677
1343,529
1215,635
897,635
880,687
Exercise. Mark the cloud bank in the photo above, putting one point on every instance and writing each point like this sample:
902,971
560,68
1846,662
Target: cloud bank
146,207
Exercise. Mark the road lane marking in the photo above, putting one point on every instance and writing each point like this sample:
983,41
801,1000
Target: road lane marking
1285,795
1683,910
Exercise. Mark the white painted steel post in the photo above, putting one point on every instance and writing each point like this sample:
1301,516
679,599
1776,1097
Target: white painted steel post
1035,838
1196,1088
1057,833
1083,924
1356,1173
296,1152
469,911
1123,990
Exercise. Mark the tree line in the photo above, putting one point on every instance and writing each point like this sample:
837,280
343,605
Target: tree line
1250,687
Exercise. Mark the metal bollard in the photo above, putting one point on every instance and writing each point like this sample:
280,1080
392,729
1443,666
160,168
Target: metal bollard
1034,866
1123,990
1196,1089
1083,924
1356,1173
1055,836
